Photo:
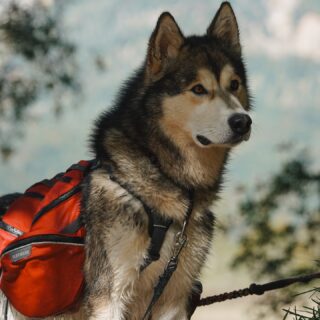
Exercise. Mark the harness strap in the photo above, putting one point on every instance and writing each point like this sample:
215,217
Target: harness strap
158,227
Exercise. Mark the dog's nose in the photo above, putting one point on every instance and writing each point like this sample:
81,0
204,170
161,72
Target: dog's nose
240,123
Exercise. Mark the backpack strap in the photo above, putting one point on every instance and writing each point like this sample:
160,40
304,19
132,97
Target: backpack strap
7,200
74,226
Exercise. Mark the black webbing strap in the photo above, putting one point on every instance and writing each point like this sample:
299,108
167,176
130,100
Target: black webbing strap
35,195
48,182
158,227
73,227
62,178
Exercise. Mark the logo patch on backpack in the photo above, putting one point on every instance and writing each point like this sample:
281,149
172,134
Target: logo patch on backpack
20,253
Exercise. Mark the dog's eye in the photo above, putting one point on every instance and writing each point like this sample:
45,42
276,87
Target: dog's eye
199,89
234,85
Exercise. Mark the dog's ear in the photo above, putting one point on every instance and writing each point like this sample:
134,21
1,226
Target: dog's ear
164,44
225,27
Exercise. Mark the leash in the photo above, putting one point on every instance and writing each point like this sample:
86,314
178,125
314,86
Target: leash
180,242
257,289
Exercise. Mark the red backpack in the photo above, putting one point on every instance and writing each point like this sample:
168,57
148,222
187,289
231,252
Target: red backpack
42,245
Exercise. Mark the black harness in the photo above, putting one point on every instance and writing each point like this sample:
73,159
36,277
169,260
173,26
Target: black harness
158,227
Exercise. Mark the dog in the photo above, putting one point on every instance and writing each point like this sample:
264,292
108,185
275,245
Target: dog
170,131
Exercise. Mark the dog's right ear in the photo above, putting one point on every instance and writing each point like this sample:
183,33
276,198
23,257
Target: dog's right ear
164,44
225,27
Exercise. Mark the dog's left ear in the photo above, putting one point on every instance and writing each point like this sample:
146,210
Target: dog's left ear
225,27
164,45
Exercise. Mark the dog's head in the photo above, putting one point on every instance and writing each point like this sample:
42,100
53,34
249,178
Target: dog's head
201,81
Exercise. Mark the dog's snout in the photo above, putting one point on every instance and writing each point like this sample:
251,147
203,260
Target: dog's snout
240,123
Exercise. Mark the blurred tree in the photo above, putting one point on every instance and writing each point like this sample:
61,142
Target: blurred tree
279,228
35,59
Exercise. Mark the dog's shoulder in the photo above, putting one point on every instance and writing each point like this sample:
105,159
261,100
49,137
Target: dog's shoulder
104,199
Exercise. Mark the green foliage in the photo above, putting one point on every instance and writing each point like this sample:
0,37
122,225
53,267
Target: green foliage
35,59
279,232
307,313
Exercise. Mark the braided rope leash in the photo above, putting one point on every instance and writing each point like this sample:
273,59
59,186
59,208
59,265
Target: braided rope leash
258,289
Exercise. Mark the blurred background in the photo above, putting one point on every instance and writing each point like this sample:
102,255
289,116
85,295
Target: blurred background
61,64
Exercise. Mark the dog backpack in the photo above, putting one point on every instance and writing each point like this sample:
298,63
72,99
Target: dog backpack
42,246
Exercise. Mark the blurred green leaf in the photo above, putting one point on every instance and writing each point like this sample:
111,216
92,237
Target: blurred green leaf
37,59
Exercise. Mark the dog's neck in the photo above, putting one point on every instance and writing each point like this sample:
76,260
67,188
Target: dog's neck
187,163
162,178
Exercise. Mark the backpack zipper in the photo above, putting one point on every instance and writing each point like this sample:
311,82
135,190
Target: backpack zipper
41,239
